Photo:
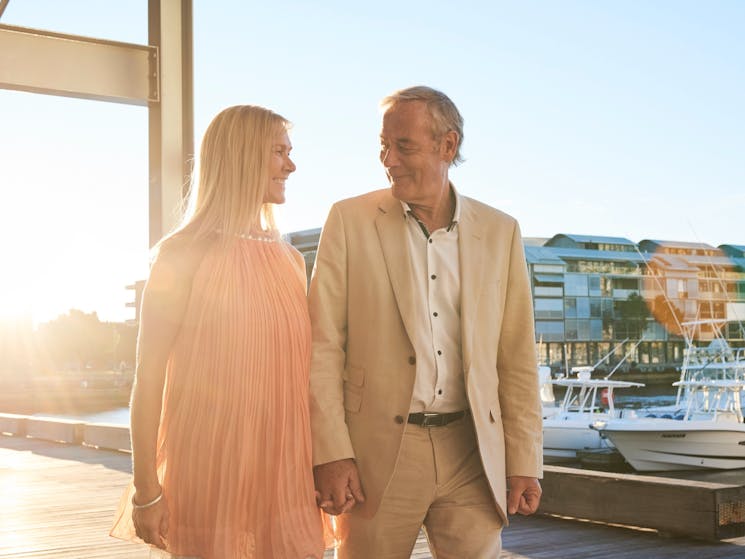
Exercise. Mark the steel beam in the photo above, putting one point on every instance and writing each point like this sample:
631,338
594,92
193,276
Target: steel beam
73,66
171,120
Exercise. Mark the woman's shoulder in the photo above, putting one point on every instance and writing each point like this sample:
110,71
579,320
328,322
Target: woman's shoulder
181,253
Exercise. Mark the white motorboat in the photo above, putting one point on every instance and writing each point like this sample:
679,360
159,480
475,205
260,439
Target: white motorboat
709,435
566,428
716,361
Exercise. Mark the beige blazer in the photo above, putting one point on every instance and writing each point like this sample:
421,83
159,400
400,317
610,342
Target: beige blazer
363,362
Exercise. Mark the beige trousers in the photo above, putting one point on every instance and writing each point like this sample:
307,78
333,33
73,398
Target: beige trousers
439,482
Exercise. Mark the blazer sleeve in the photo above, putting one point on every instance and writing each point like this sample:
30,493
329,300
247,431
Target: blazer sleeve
517,367
328,314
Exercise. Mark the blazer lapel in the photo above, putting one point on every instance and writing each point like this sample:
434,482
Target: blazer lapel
391,226
470,243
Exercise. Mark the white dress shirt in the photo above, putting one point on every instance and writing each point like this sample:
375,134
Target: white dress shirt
439,385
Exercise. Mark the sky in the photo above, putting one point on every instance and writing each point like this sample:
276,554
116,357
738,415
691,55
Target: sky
621,119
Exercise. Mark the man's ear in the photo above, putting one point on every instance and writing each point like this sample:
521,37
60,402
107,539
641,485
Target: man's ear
449,145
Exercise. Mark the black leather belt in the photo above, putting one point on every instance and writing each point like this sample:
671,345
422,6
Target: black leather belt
426,419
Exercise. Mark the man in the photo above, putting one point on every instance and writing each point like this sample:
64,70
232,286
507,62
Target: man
424,392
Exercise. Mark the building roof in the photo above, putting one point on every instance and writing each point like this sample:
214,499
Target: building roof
655,244
541,255
739,263
733,250
672,262
602,255
590,239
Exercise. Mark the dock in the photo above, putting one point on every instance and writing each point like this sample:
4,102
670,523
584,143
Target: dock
59,500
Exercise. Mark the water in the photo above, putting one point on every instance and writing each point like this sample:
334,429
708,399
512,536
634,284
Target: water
654,395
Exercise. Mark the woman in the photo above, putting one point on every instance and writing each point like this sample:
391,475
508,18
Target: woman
220,435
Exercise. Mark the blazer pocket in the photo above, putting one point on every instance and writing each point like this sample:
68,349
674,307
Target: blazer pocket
495,415
354,379
354,375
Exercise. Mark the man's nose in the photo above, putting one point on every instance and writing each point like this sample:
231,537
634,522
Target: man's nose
388,158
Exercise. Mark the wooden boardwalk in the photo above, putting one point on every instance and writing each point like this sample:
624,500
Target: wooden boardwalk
57,501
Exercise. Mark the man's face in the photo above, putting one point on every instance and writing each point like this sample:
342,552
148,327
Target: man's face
415,162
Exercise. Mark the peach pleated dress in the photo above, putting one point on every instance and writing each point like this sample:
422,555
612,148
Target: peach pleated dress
234,450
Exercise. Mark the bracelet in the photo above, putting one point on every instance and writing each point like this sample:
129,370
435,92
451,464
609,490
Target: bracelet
147,505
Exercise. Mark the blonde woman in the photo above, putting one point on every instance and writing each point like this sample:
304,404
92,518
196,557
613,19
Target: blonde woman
220,433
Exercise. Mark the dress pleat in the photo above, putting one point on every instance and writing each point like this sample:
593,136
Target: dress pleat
234,450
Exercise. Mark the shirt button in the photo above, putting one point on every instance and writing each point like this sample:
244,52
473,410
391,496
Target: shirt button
412,360
434,314
430,241
398,419
439,391
439,352
433,276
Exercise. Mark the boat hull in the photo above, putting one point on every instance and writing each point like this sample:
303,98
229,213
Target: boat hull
562,438
666,445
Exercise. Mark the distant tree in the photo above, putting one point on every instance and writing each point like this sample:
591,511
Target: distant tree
634,313
78,338
668,314
126,345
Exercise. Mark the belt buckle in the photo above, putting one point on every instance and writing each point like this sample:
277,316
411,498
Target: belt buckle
431,416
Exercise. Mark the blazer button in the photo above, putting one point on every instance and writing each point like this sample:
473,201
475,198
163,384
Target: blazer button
398,419
412,360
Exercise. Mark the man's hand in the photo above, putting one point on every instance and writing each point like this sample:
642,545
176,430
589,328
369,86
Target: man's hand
338,486
524,495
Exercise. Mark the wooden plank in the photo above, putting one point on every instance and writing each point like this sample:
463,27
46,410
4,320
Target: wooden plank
701,509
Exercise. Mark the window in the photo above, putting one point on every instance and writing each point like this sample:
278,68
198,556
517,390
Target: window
595,308
583,307
570,307
594,286
543,291
549,308
549,268
549,331
575,284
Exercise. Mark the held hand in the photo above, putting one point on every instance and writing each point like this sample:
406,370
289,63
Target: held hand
338,486
151,523
524,495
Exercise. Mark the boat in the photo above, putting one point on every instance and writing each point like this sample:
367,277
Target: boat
710,434
566,427
715,361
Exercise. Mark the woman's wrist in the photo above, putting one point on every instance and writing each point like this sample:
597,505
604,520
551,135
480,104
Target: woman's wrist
148,504
146,492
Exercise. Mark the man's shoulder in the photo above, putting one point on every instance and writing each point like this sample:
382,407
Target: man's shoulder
368,199
484,211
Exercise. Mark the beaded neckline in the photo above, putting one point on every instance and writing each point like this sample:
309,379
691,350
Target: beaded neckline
266,237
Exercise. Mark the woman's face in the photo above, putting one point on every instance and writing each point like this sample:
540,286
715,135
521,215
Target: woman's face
280,167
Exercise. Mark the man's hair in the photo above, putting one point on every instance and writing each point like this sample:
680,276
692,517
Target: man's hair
445,115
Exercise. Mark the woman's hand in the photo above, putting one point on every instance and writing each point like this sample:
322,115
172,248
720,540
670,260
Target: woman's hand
151,522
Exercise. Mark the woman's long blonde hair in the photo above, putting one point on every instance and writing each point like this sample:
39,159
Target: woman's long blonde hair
233,174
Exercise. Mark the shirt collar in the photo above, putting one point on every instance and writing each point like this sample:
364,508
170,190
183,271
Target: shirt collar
456,211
